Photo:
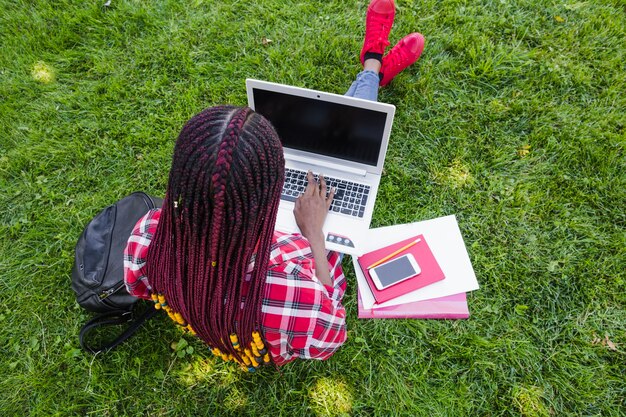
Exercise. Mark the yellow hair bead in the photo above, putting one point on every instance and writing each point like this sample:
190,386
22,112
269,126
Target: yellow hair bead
213,263
154,297
245,359
157,306
216,351
254,362
266,358
255,351
256,338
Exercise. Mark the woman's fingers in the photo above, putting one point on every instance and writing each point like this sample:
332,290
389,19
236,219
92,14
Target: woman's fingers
329,199
311,186
322,186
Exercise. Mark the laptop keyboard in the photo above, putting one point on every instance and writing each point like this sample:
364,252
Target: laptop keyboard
350,197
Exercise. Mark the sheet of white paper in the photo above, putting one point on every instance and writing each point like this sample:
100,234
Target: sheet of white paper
445,241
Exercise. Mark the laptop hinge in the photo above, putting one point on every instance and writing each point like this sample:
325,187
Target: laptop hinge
331,165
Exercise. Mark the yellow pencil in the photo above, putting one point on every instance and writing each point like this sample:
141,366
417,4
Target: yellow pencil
391,255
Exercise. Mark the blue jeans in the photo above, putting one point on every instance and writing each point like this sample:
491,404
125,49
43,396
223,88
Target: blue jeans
365,86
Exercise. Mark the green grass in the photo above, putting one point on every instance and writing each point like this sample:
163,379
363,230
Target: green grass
513,120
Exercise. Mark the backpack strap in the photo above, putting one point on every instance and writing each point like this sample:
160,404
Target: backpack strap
112,318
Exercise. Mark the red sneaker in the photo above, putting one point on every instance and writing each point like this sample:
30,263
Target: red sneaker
404,54
380,14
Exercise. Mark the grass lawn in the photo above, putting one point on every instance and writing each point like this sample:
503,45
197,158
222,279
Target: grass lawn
513,119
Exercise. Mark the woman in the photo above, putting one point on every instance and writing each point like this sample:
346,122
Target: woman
211,258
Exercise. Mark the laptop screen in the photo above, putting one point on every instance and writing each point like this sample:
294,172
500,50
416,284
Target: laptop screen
324,128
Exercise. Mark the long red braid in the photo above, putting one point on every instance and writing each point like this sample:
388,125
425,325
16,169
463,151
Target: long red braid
219,214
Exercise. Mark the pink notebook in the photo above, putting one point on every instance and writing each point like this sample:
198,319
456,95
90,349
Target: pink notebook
450,307
431,272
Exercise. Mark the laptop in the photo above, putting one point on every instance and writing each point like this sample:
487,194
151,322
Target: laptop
343,138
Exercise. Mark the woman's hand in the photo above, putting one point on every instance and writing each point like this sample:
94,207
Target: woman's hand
312,207
310,212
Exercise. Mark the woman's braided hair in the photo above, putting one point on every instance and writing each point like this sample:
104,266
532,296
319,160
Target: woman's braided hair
218,215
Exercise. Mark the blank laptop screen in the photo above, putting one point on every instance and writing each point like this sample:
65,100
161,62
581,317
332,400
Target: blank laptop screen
324,128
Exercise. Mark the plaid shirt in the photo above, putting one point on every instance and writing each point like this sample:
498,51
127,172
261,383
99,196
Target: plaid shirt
302,318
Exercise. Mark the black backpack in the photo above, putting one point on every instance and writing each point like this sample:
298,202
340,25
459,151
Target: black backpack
98,271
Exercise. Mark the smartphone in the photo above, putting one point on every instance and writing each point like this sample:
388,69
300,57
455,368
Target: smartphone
394,271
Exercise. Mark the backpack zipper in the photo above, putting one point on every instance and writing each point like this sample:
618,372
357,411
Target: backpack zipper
107,293
111,291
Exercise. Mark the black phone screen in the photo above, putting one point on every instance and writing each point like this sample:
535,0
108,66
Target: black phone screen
393,271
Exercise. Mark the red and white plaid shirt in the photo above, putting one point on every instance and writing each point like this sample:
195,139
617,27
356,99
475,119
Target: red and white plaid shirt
302,318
